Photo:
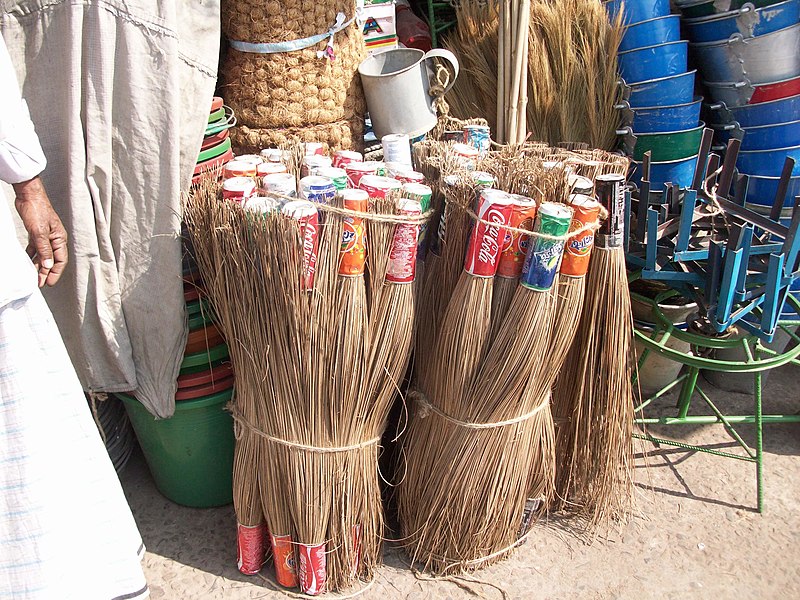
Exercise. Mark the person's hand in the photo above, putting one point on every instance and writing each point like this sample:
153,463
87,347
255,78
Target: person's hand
47,238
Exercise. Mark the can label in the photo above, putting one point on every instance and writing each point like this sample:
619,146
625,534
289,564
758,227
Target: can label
308,219
270,168
317,189
280,183
515,248
353,252
544,255
579,247
482,179
420,193
356,170
283,558
345,157
408,176
478,136
238,168
611,194
250,548
485,240
238,189
402,266
377,186
356,560
312,165
312,568
312,148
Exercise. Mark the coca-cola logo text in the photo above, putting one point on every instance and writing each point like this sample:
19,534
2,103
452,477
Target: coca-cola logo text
488,249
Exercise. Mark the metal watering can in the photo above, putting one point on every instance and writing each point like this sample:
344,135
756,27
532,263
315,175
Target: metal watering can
397,87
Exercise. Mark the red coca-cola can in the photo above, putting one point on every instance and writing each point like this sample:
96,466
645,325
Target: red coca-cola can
486,239
250,548
402,266
377,186
306,215
283,559
238,189
312,569
341,158
356,170
512,256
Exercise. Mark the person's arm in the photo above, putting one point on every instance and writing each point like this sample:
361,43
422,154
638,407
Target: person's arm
21,161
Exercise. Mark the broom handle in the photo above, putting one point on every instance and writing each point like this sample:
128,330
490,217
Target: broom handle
500,123
522,116
517,73
507,64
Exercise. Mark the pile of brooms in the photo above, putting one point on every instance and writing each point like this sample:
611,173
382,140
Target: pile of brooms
317,304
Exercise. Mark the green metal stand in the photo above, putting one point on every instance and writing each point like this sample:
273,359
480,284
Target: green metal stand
441,17
760,358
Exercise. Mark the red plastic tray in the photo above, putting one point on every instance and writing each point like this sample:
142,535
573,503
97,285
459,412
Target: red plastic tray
218,373
204,390
216,104
212,140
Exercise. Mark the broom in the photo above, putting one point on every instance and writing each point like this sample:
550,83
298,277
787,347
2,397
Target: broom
594,462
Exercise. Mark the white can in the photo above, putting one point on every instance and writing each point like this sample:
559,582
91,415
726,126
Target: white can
396,149
280,183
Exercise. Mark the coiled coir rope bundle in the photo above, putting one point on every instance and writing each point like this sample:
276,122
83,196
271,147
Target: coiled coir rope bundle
347,135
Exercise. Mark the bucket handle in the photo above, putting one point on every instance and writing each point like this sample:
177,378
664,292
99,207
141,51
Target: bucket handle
449,57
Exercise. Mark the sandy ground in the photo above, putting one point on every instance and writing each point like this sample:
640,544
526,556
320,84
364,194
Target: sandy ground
696,533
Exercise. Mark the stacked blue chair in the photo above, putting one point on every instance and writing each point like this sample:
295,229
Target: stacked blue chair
653,64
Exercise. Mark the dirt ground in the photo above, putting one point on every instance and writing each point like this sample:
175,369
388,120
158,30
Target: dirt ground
696,533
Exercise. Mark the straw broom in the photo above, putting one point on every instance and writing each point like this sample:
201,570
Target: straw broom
594,460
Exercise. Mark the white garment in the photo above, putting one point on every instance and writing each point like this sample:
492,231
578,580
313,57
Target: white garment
66,531
21,159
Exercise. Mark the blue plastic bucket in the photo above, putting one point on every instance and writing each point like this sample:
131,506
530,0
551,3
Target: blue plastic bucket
762,190
653,119
653,62
782,110
747,21
768,162
637,11
677,172
653,31
766,137
663,91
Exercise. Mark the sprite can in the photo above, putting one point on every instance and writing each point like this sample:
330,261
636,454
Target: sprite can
544,255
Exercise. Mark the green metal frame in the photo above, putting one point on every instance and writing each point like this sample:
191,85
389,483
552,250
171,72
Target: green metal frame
440,19
759,359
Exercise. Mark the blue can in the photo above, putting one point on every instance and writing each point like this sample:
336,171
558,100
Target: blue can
544,255
317,189
478,136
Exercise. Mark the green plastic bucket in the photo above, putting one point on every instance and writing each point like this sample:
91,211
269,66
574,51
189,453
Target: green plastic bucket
191,454
669,145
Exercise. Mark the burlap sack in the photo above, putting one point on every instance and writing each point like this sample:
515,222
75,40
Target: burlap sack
342,135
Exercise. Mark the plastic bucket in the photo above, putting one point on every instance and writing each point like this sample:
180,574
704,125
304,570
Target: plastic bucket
191,454
653,31
743,92
397,88
782,110
663,91
637,10
771,57
653,119
748,21
766,137
701,8
761,191
677,172
768,162
653,62
669,145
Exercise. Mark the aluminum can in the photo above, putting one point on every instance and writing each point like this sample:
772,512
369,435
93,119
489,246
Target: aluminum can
317,189
338,176
419,192
253,159
312,569
378,186
306,215
483,179
580,185
397,149
238,189
356,563
250,548
312,148
262,205
478,136
345,157
312,165
466,154
353,251
270,168
356,170
283,558
402,265
579,246
408,176
238,168
273,155
611,194
280,183
485,240
512,256
453,136
544,256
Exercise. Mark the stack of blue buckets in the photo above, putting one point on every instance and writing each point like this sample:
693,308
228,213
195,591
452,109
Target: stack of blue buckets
666,113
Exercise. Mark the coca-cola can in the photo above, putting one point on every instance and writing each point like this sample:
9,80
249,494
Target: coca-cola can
486,239
306,215
312,570
312,165
515,247
579,247
238,189
356,170
284,561
317,189
544,255
341,158
377,186
283,184
402,265
251,548
238,168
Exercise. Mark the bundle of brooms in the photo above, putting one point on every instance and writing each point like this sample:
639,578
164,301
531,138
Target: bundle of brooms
320,329
479,453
